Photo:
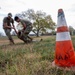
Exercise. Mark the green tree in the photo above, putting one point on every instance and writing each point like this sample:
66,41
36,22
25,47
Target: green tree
41,21
71,30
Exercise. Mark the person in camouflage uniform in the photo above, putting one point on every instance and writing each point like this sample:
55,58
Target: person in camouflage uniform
7,21
24,28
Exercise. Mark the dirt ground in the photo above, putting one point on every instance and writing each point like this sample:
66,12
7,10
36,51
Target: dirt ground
5,41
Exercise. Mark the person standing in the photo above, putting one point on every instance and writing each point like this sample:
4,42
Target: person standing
8,25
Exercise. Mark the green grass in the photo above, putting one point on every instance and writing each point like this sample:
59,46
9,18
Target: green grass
30,59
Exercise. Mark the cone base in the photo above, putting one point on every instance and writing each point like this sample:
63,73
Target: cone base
64,54
63,68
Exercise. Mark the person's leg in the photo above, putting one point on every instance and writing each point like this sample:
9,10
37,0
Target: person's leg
25,37
27,31
30,38
7,32
22,36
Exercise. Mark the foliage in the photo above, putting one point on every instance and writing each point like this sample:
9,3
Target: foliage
41,21
71,30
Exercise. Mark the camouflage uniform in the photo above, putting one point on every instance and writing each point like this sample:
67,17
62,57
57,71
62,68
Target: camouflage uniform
23,35
8,30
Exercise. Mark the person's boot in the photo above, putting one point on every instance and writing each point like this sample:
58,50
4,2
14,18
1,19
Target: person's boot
11,42
30,38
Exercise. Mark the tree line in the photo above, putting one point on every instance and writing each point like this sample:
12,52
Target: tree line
42,22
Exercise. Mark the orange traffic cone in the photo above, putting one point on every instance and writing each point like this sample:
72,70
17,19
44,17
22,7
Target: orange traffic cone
64,53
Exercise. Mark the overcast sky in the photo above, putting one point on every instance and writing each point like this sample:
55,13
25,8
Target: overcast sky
49,6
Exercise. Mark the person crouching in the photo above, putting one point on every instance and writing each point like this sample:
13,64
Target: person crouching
24,27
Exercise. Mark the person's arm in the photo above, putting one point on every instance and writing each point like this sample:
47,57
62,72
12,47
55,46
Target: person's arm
12,23
14,26
15,31
24,25
6,26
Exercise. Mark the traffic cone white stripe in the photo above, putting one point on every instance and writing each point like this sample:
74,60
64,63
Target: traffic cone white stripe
63,36
61,21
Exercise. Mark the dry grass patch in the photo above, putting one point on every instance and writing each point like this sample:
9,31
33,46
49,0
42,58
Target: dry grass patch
30,59
32,56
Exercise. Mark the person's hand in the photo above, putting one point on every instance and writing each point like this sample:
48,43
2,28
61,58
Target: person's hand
13,27
22,30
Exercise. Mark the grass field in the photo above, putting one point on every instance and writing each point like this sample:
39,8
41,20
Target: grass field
30,59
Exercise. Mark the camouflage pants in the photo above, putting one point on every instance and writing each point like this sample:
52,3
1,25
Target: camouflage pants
23,35
7,32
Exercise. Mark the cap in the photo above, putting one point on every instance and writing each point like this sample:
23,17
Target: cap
16,17
9,14
60,10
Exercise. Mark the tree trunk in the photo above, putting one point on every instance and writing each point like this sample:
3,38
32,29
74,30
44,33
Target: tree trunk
38,33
